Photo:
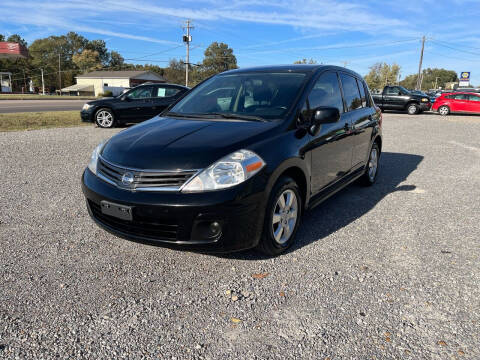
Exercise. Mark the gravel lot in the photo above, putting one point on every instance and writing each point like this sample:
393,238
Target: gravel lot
386,272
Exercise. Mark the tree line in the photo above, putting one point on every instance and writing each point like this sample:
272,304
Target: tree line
66,56
382,74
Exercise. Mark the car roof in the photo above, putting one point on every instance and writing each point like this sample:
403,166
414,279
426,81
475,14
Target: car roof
460,93
168,84
292,68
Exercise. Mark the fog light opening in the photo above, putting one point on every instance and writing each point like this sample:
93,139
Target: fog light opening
215,229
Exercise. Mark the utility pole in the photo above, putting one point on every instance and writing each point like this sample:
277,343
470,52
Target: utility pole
187,39
436,81
43,83
419,77
59,77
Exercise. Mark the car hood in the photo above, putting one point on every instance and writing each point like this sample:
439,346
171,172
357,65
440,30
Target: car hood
165,143
102,101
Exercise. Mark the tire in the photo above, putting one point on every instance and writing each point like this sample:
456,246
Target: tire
104,118
280,227
412,109
444,110
371,171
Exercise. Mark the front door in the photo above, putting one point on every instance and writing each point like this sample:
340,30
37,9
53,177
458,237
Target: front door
136,104
331,148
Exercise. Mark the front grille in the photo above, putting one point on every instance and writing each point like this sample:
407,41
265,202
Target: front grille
160,229
146,180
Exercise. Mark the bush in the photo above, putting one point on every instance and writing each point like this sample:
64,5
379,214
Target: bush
107,93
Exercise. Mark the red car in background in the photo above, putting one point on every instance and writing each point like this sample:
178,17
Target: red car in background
459,102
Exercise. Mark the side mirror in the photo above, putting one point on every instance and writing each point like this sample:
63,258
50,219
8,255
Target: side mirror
323,115
399,93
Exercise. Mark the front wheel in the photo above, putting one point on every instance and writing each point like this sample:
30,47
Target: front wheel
283,213
104,118
443,110
412,109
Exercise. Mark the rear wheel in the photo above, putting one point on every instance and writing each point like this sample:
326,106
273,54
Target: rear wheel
283,213
104,118
412,109
444,110
371,170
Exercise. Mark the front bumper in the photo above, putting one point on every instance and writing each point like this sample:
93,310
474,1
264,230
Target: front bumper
87,115
425,106
177,220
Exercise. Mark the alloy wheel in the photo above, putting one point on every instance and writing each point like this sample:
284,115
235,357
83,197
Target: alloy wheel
373,164
412,109
285,216
443,110
104,119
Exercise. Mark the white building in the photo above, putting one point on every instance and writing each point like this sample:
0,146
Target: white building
6,82
98,82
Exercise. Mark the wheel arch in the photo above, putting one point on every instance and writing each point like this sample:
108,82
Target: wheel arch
295,169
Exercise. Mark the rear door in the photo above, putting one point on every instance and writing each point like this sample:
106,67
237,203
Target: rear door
163,96
474,103
362,120
331,148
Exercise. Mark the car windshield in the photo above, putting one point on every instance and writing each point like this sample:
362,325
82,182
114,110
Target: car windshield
257,96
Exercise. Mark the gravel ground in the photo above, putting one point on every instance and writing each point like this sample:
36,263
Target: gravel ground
390,271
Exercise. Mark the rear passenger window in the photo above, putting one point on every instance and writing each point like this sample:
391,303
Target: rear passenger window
351,92
474,98
362,93
326,92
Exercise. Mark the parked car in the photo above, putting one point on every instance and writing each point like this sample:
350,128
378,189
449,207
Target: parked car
399,98
135,105
235,162
457,103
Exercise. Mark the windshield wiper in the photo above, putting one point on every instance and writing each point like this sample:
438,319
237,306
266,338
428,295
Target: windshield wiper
185,115
238,116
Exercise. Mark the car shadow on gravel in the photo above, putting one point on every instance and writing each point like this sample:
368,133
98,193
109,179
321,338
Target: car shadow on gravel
348,204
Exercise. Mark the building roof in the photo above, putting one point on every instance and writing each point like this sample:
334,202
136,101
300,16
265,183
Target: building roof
78,87
126,74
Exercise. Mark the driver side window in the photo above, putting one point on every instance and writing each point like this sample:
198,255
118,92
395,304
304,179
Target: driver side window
326,92
142,92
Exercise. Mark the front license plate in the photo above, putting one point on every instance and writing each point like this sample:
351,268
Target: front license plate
117,210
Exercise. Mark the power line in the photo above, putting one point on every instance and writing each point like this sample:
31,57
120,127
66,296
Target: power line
454,48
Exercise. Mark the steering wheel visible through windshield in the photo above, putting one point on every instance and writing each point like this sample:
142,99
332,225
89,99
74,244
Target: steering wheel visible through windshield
258,95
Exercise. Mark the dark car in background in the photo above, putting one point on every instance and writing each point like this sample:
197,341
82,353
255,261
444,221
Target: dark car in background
235,162
141,103
400,99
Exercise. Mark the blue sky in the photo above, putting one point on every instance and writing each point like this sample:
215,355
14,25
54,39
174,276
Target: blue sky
357,32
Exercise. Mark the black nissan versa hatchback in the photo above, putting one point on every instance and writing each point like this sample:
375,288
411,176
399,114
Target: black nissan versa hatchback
235,162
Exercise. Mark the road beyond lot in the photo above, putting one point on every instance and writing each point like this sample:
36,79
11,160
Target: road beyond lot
14,106
387,272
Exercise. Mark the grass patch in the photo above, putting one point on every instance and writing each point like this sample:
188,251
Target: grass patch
39,120
43,97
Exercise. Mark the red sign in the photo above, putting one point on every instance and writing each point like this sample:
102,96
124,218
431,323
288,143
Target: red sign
10,50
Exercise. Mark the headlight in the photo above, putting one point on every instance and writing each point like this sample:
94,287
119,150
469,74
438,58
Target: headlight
229,171
425,100
92,165
86,106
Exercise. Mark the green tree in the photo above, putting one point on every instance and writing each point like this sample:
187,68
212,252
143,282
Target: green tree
116,60
382,74
305,61
218,58
430,77
101,48
17,39
175,72
87,60
2,37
